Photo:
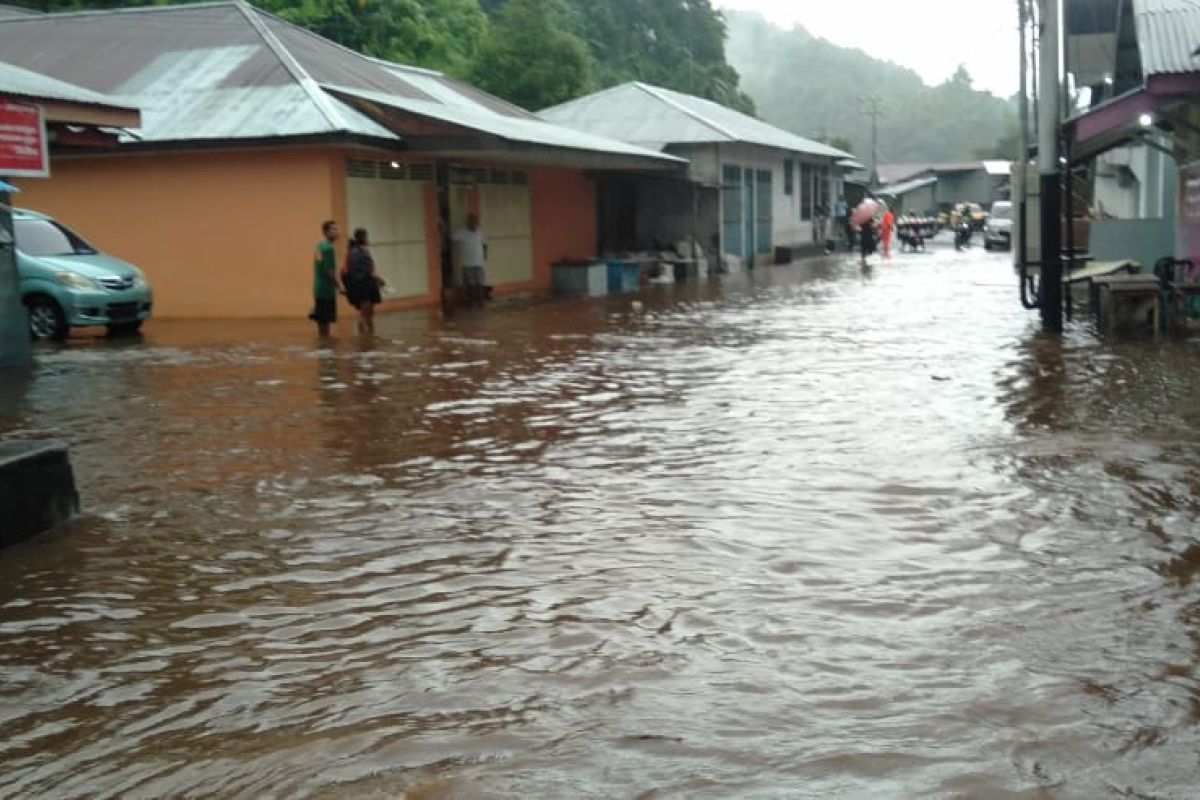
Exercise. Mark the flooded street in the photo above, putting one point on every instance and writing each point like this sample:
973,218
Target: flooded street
806,533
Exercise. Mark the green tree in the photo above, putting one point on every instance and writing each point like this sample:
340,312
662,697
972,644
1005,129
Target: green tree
809,85
440,34
840,142
677,44
529,61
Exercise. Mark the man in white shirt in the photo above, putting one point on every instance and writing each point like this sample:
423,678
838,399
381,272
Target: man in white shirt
473,251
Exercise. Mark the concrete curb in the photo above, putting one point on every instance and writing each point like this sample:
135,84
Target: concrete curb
37,488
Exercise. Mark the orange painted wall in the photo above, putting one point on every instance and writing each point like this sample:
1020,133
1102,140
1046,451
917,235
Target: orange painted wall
231,233
219,234
563,204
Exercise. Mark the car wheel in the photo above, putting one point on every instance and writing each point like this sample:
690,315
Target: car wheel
987,245
46,320
124,328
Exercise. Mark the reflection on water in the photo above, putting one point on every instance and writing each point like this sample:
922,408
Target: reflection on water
800,533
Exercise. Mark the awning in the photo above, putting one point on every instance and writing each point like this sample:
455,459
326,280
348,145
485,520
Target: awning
1120,121
459,130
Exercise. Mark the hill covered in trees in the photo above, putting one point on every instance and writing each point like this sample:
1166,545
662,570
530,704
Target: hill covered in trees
534,53
817,89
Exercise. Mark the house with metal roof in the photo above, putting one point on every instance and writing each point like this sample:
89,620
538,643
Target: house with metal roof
982,182
750,187
915,195
254,131
1138,141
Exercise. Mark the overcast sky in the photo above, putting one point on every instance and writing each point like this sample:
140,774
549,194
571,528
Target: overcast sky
930,36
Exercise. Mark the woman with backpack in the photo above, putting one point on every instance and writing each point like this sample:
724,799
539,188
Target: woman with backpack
362,281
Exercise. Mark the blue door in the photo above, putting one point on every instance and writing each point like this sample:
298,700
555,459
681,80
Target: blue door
731,210
763,218
748,207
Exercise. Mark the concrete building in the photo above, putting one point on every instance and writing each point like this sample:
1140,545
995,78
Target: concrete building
913,196
1139,139
255,131
750,187
982,182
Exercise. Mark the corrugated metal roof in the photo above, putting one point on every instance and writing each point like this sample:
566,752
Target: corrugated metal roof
205,72
654,117
893,173
227,71
524,130
1168,33
899,189
18,82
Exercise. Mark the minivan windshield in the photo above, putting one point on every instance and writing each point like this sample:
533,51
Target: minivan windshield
1002,211
45,237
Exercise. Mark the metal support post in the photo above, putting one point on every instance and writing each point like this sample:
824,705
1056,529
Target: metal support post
14,323
1049,170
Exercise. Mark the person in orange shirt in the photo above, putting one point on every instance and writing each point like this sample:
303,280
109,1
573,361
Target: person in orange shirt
887,226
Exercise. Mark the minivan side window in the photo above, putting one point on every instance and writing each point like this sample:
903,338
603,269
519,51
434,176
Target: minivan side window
43,237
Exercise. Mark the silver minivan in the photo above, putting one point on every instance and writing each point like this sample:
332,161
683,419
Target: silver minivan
997,231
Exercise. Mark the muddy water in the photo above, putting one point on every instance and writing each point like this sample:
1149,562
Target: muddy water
807,535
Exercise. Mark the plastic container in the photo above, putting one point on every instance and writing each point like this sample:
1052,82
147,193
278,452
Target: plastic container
579,277
624,276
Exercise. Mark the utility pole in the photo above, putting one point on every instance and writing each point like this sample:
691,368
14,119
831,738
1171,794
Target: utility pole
1021,178
1049,170
874,111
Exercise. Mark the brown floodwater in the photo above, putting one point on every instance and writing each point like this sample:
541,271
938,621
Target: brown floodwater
807,533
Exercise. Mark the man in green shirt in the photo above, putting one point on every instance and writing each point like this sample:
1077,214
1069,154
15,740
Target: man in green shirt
325,282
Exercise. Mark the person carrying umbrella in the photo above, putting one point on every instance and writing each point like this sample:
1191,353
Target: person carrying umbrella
866,240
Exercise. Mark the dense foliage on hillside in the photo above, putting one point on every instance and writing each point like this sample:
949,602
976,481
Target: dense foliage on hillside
532,52
820,90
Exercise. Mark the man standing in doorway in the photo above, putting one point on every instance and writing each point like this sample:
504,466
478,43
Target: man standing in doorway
473,250
325,282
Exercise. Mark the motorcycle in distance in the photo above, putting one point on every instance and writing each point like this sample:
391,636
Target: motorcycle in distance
962,234
962,224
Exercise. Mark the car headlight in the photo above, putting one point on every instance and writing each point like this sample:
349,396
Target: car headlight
73,280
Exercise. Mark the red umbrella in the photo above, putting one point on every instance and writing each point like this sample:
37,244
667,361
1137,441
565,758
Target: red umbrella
865,211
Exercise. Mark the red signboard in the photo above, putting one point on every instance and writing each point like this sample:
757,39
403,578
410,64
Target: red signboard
23,152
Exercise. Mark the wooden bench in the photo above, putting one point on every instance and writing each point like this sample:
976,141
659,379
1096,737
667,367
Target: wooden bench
1112,290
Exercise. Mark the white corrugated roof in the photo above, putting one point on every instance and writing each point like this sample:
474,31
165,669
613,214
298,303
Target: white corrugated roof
898,189
525,130
654,118
203,72
1168,33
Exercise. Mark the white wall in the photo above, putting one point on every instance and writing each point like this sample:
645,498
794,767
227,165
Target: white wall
704,162
789,227
1135,183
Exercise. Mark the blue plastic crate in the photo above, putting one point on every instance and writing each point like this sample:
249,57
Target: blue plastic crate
624,276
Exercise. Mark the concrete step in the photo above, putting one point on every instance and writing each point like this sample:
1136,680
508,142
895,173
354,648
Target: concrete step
37,488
